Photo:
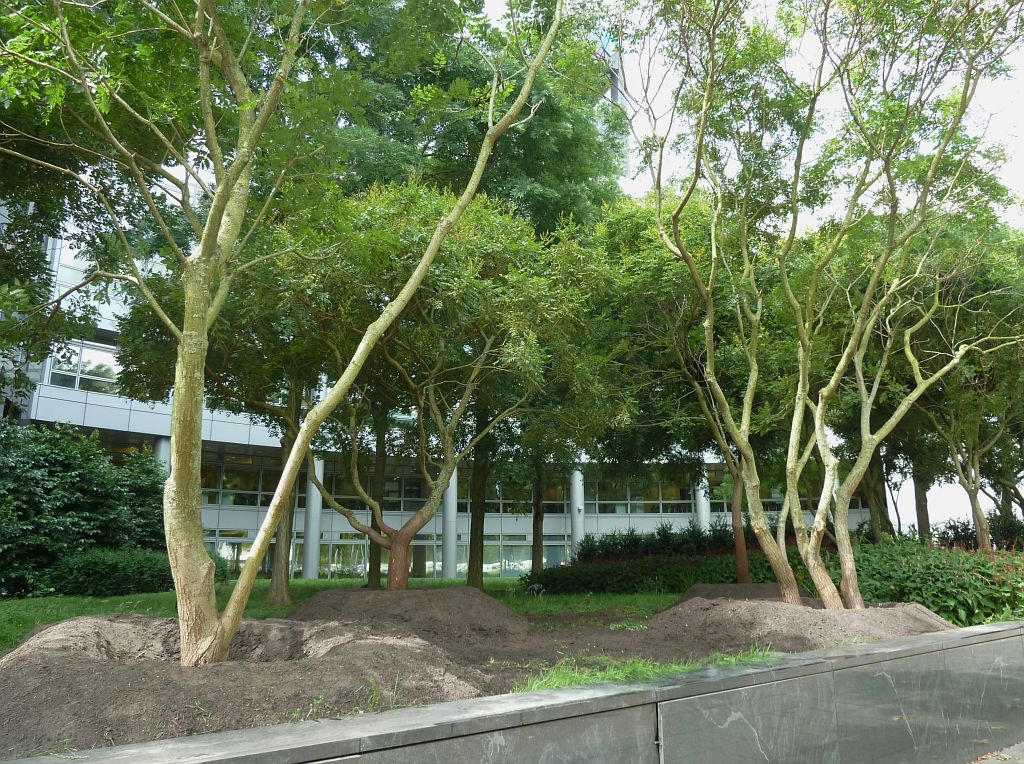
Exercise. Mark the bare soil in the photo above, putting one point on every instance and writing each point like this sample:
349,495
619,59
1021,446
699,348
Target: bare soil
98,681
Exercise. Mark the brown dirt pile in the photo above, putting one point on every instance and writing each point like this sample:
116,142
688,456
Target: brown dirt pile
734,624
99,681
107,681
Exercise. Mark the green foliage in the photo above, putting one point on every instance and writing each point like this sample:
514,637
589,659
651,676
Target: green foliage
652,574
956,534
18,617
963,587
60,494
688,541
592,669
116,572
1007,531
112,572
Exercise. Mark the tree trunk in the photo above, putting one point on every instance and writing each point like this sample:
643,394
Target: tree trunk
191,566
924,527
280,591
776,556
380,465
981,531
739,540
537,555
849,586
398,560
478,478
874,493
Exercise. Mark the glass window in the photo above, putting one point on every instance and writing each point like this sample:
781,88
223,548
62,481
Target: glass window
646,507
67,361
87,366
210,476
414,488
97,385
676,492
516,559
236,479
590,490
611,491
677,507
269,480
612,508
516,492
646,492
393,488
554,556
554,492
554,507
229,498
97,362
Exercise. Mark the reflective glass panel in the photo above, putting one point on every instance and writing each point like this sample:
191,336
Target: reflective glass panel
98,362
97,385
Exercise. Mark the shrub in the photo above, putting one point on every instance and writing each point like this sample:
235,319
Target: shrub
112,572
691,540
653,574
956,534
1007,530
116,572
60,494
963,587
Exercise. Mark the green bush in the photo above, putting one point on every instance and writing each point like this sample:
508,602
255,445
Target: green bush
60,494
964,587
116,572
112,572
691,540
652,574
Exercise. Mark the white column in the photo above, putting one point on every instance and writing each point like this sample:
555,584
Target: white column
576,507
162,451
450,528
311,525
702,502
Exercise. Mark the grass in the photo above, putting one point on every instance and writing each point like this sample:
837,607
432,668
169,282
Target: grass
19,616
569,672
625,606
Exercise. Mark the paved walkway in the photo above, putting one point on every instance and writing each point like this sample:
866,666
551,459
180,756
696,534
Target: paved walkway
1014,753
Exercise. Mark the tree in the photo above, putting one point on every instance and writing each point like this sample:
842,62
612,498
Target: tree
221,80
483,313
904,166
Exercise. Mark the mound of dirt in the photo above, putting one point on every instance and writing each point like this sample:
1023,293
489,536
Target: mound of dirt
733,625
98,681
743,592
124,685
436,615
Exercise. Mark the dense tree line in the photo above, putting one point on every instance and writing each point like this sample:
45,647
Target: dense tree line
325,216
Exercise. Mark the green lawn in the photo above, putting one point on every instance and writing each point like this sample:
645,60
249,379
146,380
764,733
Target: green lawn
19,616
599,668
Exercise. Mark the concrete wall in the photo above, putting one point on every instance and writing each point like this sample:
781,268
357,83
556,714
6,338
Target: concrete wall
943,697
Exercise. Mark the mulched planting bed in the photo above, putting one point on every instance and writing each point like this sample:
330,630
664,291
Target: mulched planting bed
97,681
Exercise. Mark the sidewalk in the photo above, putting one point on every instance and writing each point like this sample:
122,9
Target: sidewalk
1014,753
